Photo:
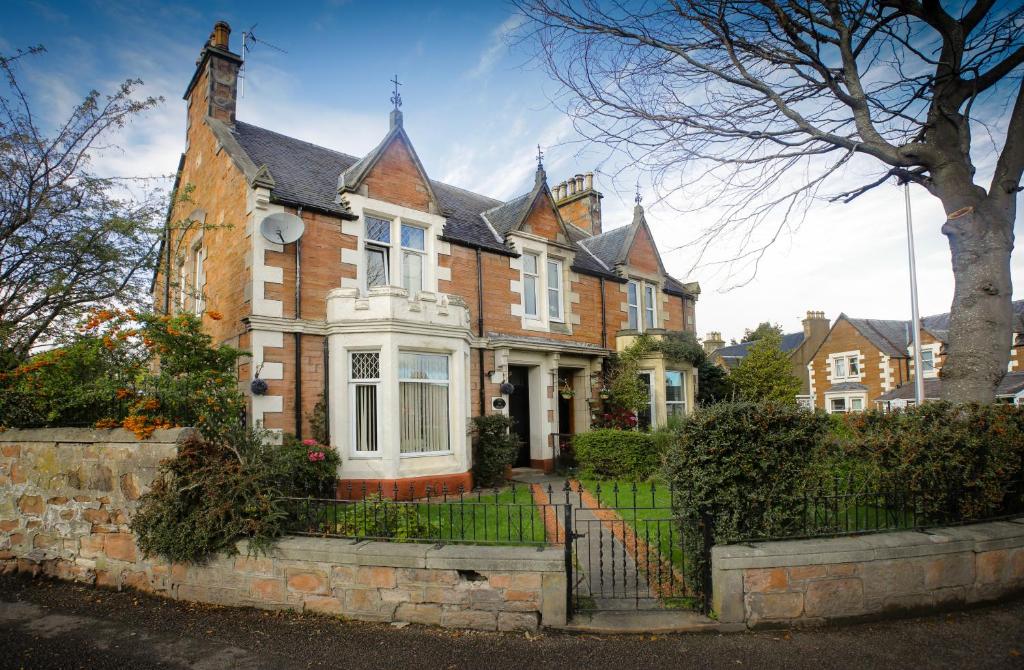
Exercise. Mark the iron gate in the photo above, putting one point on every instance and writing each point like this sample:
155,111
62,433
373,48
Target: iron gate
626,548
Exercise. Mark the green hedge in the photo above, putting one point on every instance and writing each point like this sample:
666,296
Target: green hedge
495,447
618,453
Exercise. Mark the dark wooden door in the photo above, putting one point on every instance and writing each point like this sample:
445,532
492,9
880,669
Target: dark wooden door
519,410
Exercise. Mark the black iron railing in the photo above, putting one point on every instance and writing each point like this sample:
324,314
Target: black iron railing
508,516
839,508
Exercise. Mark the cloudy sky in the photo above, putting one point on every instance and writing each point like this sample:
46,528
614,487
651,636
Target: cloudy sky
476,108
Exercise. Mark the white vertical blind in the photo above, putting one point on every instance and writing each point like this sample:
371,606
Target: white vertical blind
364,380
423,402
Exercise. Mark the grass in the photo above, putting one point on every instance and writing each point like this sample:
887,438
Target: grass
505,516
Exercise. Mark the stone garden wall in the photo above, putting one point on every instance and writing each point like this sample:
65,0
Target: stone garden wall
67,495
806,582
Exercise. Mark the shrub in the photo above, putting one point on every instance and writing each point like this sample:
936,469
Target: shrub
957,459
612,453
136,371
766,373
304,468
495,447
213,494
380,518
744,463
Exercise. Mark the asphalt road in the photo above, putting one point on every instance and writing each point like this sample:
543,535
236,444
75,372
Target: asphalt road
46,624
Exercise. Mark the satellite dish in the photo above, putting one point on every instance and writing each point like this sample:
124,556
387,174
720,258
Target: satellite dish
282,228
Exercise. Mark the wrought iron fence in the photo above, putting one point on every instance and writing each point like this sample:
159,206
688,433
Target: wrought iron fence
507,516
839,509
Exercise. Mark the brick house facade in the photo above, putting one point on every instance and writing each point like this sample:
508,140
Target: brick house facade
866,363
412,305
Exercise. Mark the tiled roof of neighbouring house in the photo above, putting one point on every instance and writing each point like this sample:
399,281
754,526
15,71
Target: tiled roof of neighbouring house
734,353
1011,384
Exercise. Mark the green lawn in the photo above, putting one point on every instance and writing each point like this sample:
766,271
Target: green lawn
506,516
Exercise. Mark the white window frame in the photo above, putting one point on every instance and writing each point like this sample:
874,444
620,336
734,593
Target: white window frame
682,393
198,270
353,384
412,251
848,400
652,398
633,316
535,277
377,246
849,361
553,267
650,306
447,383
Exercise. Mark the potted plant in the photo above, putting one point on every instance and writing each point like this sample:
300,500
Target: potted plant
567,391
604,394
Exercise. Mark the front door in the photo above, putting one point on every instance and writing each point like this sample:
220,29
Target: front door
519,410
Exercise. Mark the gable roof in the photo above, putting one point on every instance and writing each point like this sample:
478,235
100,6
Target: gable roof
888,336
732,354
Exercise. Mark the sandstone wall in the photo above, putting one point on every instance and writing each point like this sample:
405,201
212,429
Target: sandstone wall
67,496
807,582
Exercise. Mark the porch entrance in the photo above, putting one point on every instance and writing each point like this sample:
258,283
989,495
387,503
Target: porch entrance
519,411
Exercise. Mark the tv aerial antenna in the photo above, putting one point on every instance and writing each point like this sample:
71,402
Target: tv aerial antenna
249,40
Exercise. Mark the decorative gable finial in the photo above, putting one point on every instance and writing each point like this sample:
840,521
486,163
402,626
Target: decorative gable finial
396,97
541,176
639,198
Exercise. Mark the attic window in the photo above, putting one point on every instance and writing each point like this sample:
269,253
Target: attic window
378,243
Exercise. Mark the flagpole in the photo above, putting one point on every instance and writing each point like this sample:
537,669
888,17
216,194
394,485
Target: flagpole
914,312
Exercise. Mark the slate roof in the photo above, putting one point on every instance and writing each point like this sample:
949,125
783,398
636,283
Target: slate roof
732,354
307,174
1011,384
846,386
608,246
889,336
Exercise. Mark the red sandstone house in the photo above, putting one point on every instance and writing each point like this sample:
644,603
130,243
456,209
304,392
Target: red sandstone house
866,363
411,304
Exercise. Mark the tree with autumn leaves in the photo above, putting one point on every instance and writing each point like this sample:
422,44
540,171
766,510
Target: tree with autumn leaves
138,371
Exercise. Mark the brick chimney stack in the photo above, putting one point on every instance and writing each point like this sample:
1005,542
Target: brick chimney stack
712,341
816,328
214,85
578,202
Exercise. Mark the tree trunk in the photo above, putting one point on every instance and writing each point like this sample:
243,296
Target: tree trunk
981,316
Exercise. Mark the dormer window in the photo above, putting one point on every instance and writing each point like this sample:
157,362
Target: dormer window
378,247
650,310
555,309
413,251
531,278
641,299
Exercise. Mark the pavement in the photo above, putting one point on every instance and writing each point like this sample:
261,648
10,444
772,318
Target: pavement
48,624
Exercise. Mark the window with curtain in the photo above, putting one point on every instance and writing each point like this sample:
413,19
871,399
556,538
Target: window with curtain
414,245
555,310
927,361
378,245
423,402
675,399
364,382
633,305
530,279
649,307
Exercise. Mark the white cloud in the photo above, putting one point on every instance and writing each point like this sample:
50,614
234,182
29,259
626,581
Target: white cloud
496,47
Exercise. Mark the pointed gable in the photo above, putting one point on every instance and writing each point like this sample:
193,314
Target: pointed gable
392,172
643,254
543,220
534,213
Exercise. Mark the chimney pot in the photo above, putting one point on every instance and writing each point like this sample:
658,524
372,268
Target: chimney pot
578,179
221,35
588,181
572,186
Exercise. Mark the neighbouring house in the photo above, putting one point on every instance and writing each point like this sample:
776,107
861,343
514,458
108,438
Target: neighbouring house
864,361
800,347
409,304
